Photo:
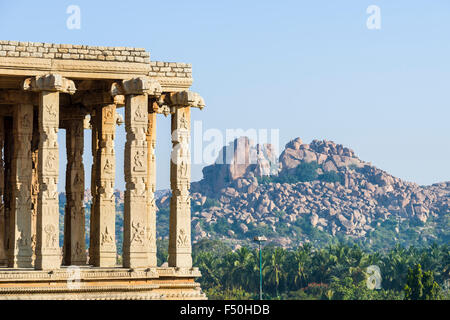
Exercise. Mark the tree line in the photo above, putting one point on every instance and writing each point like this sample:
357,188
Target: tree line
337,271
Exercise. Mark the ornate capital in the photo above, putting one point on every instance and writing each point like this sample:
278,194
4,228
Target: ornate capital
49,82
137,86
187,99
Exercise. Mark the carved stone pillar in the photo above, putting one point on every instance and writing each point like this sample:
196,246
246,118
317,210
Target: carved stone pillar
93,230
47,226
3,254
151,188
48,255
137,236
139,247
74,235
7,190
135,243
34,181
180,172
21,223
180,214
103,214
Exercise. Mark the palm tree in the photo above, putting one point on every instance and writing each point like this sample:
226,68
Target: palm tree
244,269
207,263
273,267
301,262
227,266
323,262
394,267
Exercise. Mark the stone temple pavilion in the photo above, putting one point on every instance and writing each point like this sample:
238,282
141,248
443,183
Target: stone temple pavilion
46,87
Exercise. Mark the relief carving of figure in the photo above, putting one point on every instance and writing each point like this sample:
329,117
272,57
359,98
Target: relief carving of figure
50,111
138,114
50,239
139,187
182,240
106,237
50,161
138,232
108,113
108,166
184,146
183,168
77,181
78,250
138,162
51,191
26,121
52,137
21,240
183,122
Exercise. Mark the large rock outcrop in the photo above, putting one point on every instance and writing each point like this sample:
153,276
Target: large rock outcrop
237,160
363,198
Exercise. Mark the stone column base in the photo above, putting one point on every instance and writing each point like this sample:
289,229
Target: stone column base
100,284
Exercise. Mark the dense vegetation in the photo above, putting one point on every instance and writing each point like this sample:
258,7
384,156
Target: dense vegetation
337,271
387,233
325,268
305,172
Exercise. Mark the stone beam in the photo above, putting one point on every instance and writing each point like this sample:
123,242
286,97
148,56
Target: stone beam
14,97
100,97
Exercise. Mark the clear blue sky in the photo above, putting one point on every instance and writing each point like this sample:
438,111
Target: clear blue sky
310,68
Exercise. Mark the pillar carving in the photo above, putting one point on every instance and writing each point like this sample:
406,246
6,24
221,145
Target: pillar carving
103,214
3,253
47,226
180,166
34,182
180,251
21,252
93,225
48,255
180,217
135,245
74,223
139,246
7,190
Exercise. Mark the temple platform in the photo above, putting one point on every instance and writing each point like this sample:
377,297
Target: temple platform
89,283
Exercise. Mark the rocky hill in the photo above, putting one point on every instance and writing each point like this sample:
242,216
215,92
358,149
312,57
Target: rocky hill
313,192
